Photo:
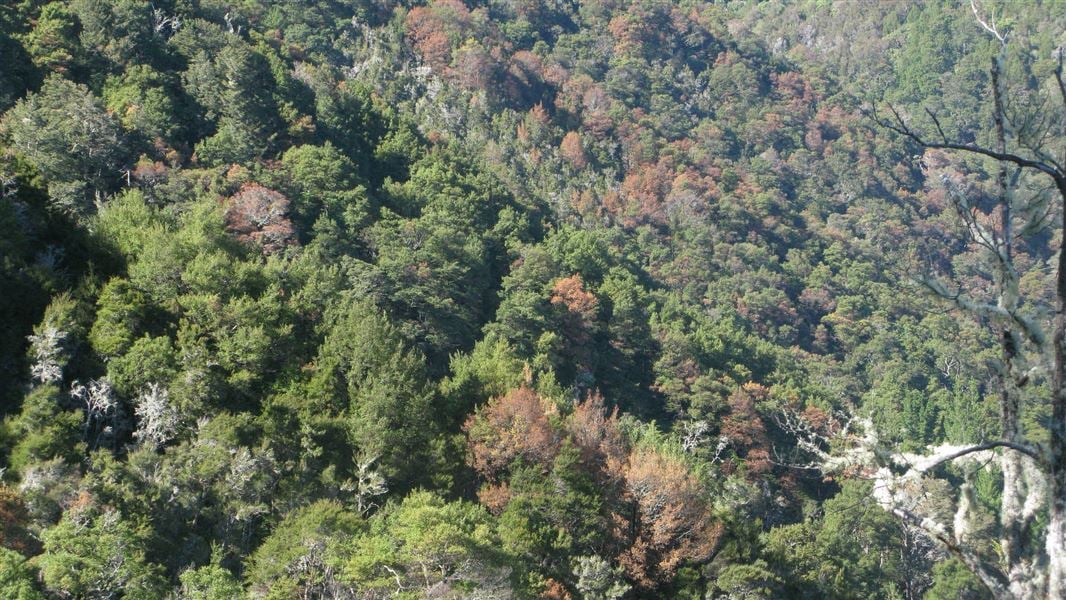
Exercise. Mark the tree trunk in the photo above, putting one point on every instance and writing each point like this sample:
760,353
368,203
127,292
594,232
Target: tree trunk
1056,535
1034,474
1056,538
1014,524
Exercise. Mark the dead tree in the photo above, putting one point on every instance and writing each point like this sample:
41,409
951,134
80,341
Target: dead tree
1026,146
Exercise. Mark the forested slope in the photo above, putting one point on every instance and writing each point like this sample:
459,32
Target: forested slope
492,299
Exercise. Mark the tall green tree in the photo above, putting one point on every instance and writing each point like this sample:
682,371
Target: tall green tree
366,375
67,135
94,553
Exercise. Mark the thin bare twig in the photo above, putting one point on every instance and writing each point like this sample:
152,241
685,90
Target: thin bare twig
989,25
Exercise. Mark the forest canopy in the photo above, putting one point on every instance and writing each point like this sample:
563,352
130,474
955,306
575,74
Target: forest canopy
521,299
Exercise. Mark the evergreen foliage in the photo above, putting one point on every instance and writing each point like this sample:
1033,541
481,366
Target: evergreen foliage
457,299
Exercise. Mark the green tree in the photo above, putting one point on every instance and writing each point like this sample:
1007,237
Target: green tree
78,146
366,374
96,553
230,88
597,580
120,316
426,543
148,360
21,74
951,579
209,582
322,180
44,429
437,251
18,580
303,553
118,31
749,582
854,552
53,43
145,102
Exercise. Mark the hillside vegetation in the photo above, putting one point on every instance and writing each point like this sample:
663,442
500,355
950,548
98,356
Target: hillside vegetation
500,298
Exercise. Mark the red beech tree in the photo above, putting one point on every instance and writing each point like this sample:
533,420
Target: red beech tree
260,216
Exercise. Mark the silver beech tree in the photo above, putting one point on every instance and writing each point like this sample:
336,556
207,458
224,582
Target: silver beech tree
1027,153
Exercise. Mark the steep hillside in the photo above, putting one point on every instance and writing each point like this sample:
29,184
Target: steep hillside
502,298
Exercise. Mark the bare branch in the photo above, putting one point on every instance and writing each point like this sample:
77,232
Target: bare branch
1029,451
1031,329
936,121
1058,74
1000,118
898,480
899,125
1032,474
989,25
992,580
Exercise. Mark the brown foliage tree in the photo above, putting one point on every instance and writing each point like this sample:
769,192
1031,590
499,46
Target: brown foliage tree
572,151
261,216
581,308
494,497
643,191
510,427
570,292
473,66
553,590
436,29
746,430
672,522
659,516
595,432
13,520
